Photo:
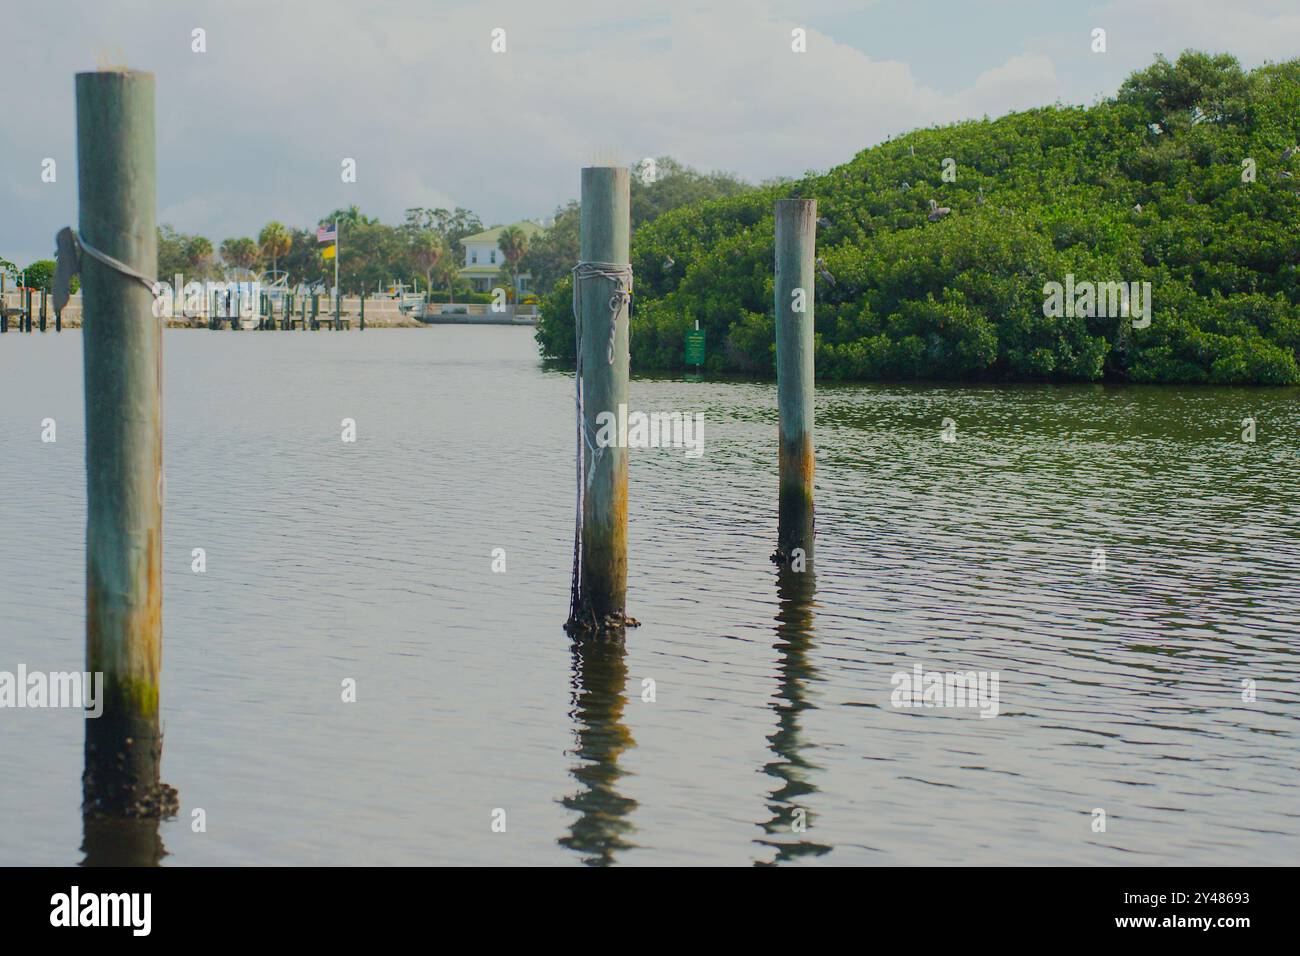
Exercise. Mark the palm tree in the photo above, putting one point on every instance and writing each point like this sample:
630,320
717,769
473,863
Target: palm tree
275,242
198,252
241,253
448,270
428,250
513,243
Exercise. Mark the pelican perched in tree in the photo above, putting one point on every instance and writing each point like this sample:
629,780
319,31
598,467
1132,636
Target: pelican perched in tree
668,263
937,212
823,271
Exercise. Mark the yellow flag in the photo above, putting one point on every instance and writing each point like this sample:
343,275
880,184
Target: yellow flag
329,252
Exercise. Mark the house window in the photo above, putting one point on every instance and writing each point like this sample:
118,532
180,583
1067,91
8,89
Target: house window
473,256
494,257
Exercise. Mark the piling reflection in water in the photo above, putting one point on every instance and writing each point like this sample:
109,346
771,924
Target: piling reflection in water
603,823
113,842
787,803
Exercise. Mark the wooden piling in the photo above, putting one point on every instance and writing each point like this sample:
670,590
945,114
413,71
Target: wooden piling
363,307
27,311
122,342
44,307
796,237
599,601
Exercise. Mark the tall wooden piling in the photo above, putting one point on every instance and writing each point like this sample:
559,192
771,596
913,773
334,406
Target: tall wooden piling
363,307
44,307
600,587
122,340
28,308
796,238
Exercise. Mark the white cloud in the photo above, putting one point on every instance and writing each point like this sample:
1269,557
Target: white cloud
256,127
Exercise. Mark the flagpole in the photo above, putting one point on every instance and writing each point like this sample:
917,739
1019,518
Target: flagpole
336,260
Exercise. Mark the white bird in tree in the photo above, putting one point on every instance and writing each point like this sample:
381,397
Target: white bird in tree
1137,207
905,187
979,200
668,263
937,212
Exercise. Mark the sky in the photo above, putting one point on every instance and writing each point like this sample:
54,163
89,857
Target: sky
257,127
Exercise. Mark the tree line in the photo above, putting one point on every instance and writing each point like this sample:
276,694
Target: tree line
374,254
935,249
425,246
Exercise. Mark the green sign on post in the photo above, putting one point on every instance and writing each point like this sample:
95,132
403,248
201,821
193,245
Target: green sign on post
695,347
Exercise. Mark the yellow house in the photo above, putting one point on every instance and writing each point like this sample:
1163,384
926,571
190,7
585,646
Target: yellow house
483,259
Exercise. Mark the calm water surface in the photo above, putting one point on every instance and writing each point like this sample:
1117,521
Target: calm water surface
1119,690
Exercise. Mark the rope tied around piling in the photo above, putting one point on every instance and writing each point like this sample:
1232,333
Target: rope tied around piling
620,273
70,245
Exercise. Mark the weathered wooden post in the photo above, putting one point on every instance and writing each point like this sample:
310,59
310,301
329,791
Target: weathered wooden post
4,314
122,340
28,309
338,309
796,237
363,307
602,295
44,307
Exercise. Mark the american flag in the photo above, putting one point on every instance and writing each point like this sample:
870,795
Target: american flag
327,233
